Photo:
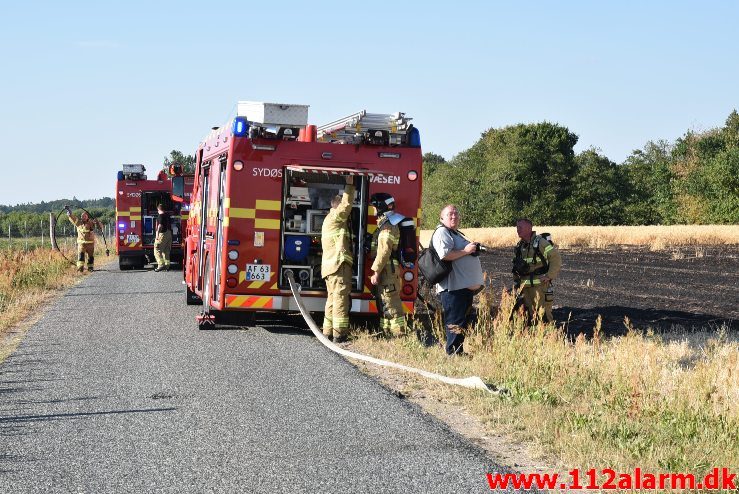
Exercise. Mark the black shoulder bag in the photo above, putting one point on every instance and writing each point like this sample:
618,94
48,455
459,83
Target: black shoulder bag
433,269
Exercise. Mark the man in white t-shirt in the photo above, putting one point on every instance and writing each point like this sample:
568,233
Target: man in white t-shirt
458,289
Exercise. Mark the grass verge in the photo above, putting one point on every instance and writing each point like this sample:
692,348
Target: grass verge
27,280
635,401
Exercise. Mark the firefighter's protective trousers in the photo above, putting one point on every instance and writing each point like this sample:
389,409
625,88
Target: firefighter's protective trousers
82,249
338,302
385,243
162,248
535,297
392,317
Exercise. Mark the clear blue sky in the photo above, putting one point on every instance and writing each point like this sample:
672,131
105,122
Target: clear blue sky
86,86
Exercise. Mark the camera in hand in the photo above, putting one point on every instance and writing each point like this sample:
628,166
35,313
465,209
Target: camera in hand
478,248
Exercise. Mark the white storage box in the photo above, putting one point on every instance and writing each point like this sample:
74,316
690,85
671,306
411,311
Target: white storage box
133,168
273,113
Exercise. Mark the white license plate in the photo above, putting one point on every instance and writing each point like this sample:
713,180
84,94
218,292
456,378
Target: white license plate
258,272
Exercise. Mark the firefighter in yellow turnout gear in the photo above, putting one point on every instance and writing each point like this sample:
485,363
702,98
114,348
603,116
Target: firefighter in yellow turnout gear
385,268
535,265
336,264
85,238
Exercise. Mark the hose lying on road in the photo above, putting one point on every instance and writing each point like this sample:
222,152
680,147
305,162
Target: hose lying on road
473,382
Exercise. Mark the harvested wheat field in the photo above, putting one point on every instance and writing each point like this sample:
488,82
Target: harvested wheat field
660,277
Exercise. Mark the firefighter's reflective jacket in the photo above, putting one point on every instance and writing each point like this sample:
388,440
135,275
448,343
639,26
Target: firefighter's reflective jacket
335,236
384,244
541,257
85,229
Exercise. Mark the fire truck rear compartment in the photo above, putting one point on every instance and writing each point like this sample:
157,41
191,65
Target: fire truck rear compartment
306,200
149,215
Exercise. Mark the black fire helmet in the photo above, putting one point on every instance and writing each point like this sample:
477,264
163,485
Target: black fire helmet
383,202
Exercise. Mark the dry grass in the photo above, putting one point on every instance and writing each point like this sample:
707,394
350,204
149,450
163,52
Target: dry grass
638,400
656,237
25,277
27,280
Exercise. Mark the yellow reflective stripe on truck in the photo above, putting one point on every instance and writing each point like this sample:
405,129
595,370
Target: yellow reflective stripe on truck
241,213
266,224
266,205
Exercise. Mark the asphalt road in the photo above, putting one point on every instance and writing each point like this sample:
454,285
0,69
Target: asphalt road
115,390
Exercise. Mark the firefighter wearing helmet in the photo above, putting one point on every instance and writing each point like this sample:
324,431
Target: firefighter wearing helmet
385,269
336,264
536,264
85,238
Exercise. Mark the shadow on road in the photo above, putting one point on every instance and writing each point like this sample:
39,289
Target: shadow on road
64,416
107,294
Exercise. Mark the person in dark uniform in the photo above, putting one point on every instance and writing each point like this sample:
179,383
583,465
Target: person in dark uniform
163,241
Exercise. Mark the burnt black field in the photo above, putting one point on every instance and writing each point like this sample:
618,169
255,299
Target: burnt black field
689,287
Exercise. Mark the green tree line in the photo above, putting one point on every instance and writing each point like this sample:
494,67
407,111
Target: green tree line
532,170
32,220
56,206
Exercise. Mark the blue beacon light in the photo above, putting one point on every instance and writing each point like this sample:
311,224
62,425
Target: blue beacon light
240,127
414,139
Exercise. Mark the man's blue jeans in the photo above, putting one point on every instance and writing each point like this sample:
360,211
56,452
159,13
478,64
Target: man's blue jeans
458,315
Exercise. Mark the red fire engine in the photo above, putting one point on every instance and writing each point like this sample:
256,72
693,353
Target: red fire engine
136,202
263,184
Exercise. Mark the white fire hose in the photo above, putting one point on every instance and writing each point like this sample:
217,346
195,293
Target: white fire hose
472,382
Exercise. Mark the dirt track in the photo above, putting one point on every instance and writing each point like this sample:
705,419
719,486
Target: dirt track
690,287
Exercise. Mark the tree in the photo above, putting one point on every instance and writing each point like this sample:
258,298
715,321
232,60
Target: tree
531,170
598,191
525,169
176,157
649,181
706,165
431,162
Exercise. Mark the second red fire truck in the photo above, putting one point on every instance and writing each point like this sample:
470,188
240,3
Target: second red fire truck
136,202
263,184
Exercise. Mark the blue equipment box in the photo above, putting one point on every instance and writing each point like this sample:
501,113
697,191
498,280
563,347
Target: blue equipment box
297,247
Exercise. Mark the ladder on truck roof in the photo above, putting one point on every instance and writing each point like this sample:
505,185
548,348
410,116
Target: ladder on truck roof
377,128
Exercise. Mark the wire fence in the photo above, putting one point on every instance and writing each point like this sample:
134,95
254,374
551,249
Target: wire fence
29,235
